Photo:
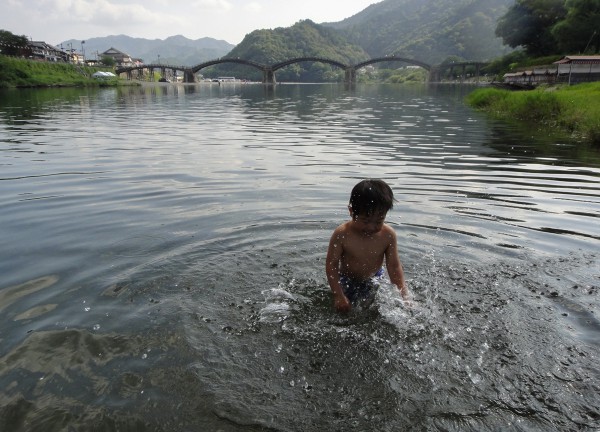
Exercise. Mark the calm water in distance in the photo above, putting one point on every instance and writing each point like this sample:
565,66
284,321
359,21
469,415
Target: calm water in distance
163,263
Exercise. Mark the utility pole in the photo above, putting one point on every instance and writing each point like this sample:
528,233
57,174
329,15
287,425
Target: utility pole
588,44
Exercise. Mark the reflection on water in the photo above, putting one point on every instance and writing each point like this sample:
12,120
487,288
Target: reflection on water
164,263
11,294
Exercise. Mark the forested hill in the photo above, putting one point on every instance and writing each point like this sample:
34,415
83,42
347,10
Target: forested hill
303,39
428,30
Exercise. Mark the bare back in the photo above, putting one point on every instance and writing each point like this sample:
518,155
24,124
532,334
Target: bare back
361,254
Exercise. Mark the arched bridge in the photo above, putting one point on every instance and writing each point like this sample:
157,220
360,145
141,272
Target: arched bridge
425,66
131,71
268,71
201,66
437,71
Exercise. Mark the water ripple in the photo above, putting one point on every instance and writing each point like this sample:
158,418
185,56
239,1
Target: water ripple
165,247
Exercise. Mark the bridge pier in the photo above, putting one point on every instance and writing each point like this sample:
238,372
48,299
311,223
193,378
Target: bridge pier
434,74
350,76
269,76
189,76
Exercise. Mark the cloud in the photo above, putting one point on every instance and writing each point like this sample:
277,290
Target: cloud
253,7
59,20
105,13
215,5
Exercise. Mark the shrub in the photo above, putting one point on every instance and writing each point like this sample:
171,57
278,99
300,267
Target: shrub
575,109
487,98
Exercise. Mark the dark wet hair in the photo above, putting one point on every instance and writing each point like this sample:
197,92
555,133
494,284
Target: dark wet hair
371,196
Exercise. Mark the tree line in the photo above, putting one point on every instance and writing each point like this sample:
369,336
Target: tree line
546,27
11,44
537,28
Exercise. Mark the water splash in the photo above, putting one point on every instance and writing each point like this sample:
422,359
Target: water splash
278,305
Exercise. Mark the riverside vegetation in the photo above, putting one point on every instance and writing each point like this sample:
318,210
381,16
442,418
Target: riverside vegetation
430,30
17,72
574,109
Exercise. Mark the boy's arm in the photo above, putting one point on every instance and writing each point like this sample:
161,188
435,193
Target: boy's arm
332,269
394,266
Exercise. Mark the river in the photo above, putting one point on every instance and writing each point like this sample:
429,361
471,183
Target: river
163,250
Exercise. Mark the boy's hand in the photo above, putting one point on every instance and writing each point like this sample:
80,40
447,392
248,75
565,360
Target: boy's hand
341,303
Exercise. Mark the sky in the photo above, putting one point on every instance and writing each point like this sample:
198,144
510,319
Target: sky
55,21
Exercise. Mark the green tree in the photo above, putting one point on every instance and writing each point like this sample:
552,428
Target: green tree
303,39
11,44
108,61
580,30
529,23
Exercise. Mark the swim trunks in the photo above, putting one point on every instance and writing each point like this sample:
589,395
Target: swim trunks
361,291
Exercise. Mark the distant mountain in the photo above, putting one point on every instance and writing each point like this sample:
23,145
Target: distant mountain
428,30
432,31
177,50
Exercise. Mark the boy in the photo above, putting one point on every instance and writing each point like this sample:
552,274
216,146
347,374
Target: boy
358,247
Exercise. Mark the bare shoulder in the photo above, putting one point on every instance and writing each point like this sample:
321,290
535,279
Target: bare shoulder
388,236
388,231
341,231
337,242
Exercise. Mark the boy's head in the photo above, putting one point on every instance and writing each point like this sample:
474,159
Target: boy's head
371,197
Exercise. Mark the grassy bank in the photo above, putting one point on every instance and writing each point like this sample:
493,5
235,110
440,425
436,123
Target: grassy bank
575,109
16,72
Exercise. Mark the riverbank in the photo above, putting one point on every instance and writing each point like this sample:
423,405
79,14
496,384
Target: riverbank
574,109
17,72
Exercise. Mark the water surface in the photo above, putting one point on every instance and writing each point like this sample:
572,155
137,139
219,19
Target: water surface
163,263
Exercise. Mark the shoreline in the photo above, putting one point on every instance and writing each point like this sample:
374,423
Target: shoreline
24,73
572,109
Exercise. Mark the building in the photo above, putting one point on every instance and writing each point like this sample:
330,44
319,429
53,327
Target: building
46,52
120,58
569,69
578,68
542,75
